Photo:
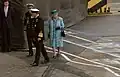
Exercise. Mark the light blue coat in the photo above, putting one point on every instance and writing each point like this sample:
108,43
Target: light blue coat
56,40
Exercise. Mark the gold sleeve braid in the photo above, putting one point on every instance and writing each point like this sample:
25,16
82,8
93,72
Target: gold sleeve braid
40,35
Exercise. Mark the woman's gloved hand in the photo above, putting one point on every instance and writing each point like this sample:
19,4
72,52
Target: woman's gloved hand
48,35
58,28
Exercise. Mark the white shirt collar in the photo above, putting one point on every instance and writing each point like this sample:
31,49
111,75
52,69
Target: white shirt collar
6,11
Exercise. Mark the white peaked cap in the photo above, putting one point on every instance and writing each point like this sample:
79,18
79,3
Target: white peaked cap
30,4
35,10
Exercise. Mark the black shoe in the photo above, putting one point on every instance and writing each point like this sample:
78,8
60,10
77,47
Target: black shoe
30,55
58,55
54,57
45,62
34,64
13,49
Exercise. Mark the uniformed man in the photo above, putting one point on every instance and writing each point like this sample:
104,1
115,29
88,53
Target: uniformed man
36,35
26,24
28,13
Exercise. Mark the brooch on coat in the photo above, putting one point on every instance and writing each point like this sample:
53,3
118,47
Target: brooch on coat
36,20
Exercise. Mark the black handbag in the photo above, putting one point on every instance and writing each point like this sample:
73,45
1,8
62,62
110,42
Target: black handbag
62,33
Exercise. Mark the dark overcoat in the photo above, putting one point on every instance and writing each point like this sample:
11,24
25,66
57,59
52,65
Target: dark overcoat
6,25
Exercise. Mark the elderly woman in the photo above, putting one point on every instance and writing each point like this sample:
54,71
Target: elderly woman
56,32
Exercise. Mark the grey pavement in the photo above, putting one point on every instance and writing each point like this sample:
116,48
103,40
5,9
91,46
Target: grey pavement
16,64
114,1
103,30
11,66
100,26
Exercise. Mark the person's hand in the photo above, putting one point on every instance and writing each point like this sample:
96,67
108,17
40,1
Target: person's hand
57,28
39,39
40,34
48,35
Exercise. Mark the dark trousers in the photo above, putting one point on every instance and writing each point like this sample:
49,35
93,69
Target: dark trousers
43,51
39,48
30,41
6,39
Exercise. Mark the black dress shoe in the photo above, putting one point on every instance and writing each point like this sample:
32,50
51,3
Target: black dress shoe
58,55
13,49
54,57
45,62
34,64
30,55
9,50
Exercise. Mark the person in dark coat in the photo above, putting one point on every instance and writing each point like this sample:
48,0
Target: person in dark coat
7,23
36,36
26,24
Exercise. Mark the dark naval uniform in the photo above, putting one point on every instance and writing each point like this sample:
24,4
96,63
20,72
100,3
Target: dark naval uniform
27,24
35,35
27,17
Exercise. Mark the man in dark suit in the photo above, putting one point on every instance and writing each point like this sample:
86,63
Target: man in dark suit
36,35
6,24
26,24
